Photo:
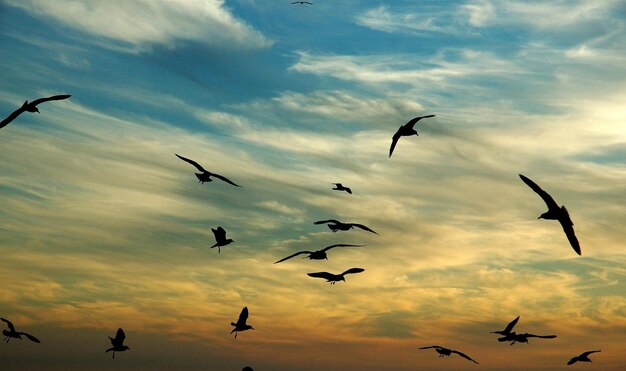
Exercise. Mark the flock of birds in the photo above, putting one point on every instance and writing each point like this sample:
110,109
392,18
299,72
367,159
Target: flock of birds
555,212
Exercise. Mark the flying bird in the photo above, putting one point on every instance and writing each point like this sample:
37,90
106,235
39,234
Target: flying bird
555,213
205,176
220,238
446,352
332,278
406,130
583,357
118,343
336,225
302,2
30,107
340,187
11,333
507,330
319,254
523,338
241,322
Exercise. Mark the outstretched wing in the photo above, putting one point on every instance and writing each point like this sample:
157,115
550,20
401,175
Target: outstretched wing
568,228
464,356
586,354
363,227
223,178
324,275
54,97
348,190
291,256
30,337
243,317
510,326
394,141
200,168
414,120
432,346
119,337
220,233
11,117
340,245
353,270
9,323
327,221
543,194
539,336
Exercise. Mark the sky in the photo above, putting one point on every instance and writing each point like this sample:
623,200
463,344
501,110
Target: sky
102,227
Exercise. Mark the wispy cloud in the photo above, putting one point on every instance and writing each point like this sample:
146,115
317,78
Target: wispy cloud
383,19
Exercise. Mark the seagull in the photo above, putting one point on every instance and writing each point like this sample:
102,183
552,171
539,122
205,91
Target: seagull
332,278
241,322
583,357
406,130
336,225
205,176
555,213
220,238
302,2
507,331
340,187
118,342
11,333
446,352
523,338
30,107
319,254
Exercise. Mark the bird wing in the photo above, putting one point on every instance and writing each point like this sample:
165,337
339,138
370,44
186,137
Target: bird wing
353,270
539,336
225,179
364,227
291,256
9,323
30,337
243,317
339,245
119,338
510,326
220,233
200,168
327,221
414,120
348,190
11,117
543,194
324,275
338,185
394,141
432,346
54,97
589,352
464,355
568,228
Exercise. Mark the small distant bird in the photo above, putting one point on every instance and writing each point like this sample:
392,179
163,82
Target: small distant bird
118,343
319,254
523,338
336,225
340,187
583,357
555,213
507,330
11,333
241,322
30,107
302,2
205,176
220,238
332,278
446,352
406,130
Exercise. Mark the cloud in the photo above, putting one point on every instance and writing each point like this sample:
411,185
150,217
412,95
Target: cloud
382,19
142,23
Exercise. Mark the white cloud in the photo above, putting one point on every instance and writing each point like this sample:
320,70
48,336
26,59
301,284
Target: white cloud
384,20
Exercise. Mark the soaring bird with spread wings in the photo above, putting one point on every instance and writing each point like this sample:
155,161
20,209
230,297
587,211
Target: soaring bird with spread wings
332,278
11,333
205,176
583,357
341,187
30,107
446,352
319,254
336,225
118,343
241,324
405,130
220,238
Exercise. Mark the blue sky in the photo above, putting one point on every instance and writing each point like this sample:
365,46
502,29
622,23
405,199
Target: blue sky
103,227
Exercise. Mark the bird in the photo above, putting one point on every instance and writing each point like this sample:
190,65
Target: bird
241,322
583,357
507,330
302,2
406,130
523,338
340,187
205,176
220,238
336,225
555,213
332,278
30,107
11,333
247,368
118,343
319,254
446,352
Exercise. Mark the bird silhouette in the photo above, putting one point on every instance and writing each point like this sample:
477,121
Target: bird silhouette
11,333
332,278
302,2
30,107
340,187
205,176
507,330
523,338
555,213
319,254
583,357
118,343
247,368
405,130
446,352
241,322
220,238
336,225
